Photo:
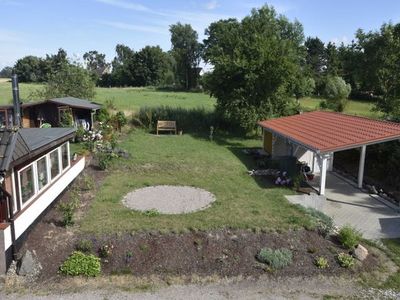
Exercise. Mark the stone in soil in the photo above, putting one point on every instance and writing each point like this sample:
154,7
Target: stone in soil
361,252
30,265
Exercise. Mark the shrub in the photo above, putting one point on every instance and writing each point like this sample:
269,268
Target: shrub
337,91
105,251
276,259
68,209
104,159
345,260
84,245
79,263
323,223
103,115
189,120
321,262
349,236
119,120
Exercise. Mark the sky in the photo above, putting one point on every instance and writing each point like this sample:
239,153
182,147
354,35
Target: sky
37,27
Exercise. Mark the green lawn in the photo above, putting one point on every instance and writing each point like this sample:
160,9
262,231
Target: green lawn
219,167
24,91
393,246
353,107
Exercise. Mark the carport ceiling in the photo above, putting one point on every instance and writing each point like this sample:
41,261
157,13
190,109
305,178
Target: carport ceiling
324,132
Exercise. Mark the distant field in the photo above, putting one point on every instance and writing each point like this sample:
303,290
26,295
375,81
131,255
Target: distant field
127,99
353,107
24,90
131,99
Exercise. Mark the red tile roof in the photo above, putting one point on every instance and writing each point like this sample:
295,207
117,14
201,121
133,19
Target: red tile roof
323,131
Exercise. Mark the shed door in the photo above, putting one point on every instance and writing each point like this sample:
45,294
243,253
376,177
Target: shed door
268,141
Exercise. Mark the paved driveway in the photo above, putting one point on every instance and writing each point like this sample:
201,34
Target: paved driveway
346,204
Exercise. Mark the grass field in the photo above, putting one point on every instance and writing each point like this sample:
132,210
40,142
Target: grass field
131,99
219,167
353,107
126,99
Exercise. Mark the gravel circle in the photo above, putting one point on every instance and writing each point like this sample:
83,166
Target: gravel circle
168,199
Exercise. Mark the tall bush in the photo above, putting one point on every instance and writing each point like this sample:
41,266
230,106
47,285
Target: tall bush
337,92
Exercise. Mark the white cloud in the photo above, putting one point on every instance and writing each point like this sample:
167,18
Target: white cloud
125,4
133,27
213,4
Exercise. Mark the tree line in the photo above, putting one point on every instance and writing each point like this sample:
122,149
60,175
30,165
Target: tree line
150,66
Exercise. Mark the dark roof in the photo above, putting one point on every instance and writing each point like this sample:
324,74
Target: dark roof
67,101
76,102
323,131
19,145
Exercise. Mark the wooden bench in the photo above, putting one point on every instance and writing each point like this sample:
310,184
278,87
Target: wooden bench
166,126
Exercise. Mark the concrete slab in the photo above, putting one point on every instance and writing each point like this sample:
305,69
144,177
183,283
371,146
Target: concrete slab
347,204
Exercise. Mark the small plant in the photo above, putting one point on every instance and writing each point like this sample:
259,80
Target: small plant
84,246
119,120
79,263
349,236
151,213
105,251
128,256
276,259
321,262
104,159
345,260
87,182
68,209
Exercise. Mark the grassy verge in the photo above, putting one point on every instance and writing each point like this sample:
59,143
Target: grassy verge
219,167
393,246
353,107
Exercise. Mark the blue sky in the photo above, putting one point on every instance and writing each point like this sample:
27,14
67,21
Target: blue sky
38,27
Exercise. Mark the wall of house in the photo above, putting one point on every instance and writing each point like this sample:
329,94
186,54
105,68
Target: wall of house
30,213
281,147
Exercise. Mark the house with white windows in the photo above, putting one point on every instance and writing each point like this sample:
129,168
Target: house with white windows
35,168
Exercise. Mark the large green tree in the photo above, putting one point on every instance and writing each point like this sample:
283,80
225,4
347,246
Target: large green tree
150,66
6,72
187,53
72,81
256,63
96,63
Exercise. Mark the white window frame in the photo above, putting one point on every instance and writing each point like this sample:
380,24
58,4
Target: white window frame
50,180
59,163
47,172
68,156
34,184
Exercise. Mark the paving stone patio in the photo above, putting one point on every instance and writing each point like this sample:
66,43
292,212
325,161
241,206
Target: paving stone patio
347,204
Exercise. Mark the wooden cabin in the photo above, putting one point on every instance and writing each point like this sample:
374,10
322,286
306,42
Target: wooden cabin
35,114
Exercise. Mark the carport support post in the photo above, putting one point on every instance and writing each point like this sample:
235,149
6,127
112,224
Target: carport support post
323,170
361,166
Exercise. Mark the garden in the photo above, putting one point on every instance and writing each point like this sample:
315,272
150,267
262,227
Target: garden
249,230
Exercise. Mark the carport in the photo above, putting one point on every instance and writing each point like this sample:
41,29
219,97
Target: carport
318,135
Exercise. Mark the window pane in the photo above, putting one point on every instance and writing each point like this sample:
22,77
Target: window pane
64,155
26,180
54,164
42,172
3,121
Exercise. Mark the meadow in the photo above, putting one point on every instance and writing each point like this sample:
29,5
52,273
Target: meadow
130,100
